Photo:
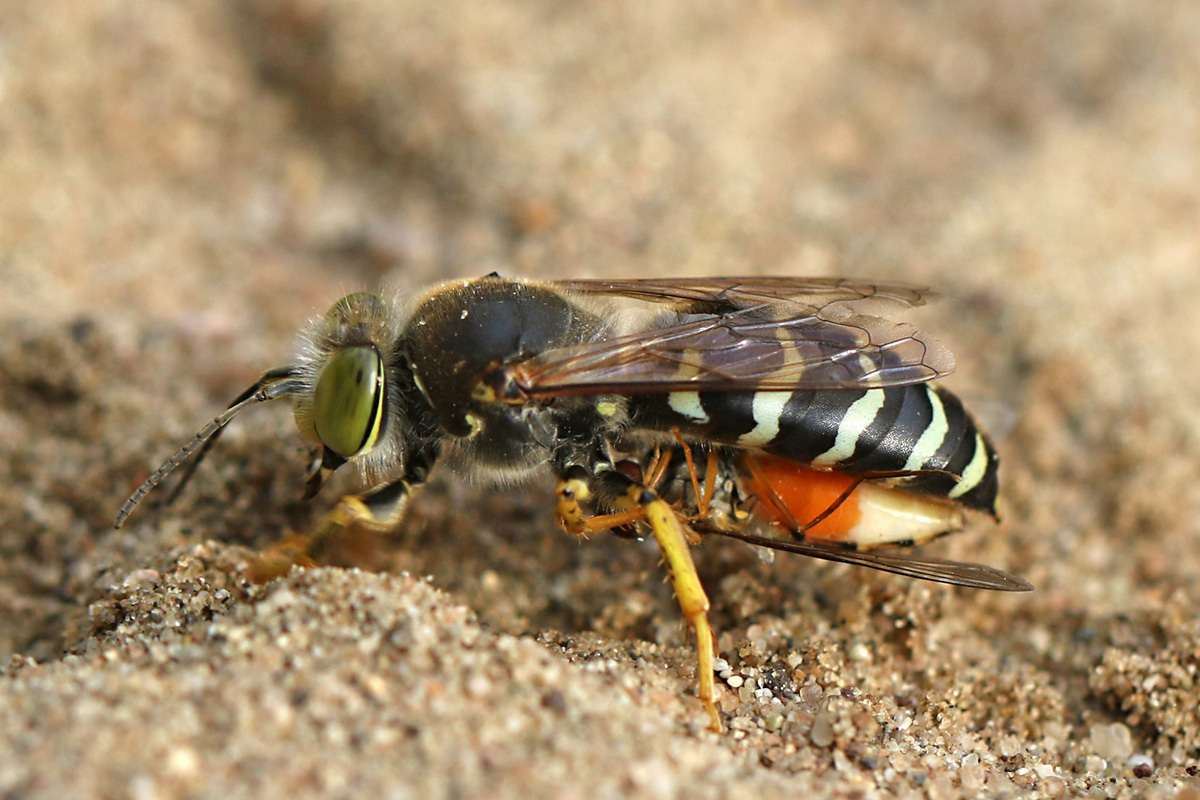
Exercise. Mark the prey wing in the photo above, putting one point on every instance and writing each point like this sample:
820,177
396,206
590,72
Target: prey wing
735,334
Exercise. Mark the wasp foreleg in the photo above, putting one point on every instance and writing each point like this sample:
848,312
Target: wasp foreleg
348,532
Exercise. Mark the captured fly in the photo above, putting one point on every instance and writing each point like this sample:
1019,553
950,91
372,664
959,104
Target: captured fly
820,430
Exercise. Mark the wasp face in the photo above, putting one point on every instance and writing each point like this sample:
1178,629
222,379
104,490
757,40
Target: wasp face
349,400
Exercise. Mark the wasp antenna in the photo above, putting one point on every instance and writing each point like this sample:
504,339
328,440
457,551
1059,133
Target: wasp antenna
273,385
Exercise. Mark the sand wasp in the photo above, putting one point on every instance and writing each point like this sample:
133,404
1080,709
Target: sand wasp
786,412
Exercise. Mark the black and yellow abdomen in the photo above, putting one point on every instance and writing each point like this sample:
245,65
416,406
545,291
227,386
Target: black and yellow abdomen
921,429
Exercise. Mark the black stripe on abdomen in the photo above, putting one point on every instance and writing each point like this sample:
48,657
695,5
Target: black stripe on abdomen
916,428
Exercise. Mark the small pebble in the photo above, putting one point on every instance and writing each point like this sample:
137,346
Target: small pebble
1054,786
1113,742
1141,765
183,762
998,783
972,777
822,731
142,579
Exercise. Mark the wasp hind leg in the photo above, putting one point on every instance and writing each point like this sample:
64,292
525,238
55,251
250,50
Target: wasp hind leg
634,502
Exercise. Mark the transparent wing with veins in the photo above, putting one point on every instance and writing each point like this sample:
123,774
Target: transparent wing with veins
893,560
735,334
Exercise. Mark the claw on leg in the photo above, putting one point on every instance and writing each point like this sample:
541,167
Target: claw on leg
278,559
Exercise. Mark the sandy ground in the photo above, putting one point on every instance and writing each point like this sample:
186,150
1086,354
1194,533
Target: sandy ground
183,184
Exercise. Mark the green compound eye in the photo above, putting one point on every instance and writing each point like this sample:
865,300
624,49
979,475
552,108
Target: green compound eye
348,401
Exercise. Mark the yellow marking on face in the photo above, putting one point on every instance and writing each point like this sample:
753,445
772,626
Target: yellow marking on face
420,386
483,393
475,423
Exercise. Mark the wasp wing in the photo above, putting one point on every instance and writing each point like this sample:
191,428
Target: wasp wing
734,334
720,295
898,562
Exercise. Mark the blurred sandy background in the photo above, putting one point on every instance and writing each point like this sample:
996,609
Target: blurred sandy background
183,184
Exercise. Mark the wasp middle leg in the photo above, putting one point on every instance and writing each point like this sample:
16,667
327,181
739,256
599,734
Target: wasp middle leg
632,502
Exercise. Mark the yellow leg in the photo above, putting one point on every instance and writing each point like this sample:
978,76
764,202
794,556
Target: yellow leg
571,515
640,504
574,519
347,531
353,532
693,602
658,468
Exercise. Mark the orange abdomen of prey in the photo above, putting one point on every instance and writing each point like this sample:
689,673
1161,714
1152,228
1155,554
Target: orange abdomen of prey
792,495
